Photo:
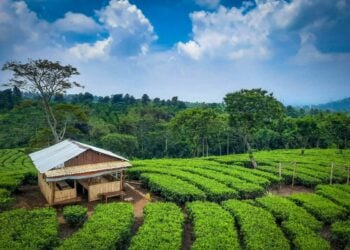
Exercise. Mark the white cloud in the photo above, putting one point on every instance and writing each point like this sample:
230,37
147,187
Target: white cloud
231,33
77,22
98,50
131,31
20,29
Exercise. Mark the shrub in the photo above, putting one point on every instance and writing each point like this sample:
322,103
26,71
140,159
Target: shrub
301,227
319,206
335,194
213,226
341,232
5,199
172,188
24,229
108,228
74,215
258,227
162,228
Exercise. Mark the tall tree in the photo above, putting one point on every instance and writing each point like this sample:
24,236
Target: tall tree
45,79
252,109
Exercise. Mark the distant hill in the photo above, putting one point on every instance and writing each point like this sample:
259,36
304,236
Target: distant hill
340,105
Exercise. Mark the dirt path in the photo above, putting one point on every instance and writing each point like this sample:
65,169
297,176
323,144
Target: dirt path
286,190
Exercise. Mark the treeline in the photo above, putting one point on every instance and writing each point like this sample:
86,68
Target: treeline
148,128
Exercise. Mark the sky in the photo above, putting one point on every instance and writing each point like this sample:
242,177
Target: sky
198,50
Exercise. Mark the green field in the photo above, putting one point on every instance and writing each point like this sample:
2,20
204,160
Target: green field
225,205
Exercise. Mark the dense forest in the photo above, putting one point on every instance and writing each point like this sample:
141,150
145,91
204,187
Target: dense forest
151,128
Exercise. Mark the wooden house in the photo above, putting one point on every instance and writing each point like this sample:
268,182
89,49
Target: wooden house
69,170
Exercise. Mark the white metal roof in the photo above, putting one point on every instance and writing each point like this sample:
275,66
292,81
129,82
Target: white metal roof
56,155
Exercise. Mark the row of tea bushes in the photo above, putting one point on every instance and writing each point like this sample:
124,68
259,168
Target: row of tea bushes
172,188
213,227
5,199
245,189
28,229
108,228
257,226
341,233
301,227
215,191
324,209
335,194
162,228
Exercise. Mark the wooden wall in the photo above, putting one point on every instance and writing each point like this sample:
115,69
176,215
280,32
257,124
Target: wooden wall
89,157
45,188
97,189
60,195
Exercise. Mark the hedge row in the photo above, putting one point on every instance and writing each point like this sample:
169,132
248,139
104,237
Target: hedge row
324,209
172,188
258,226
108,228
300,178
5,199
213,227
28,229
335,194
162,228
341,232
245,189
301,227
215,191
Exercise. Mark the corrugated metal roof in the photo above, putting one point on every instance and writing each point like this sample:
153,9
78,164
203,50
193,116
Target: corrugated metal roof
56,155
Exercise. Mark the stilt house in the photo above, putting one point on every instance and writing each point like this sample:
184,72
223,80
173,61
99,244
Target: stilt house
70,170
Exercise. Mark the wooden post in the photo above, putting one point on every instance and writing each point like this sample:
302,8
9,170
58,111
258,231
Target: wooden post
294,170
348,179
53,186
331,174
121,180
280,169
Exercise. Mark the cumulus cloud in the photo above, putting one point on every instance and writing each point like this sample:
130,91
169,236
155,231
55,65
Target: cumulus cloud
98,50
21,30
131,32
77,22
268,28
230,33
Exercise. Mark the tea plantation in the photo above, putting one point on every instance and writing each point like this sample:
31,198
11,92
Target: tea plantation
213,203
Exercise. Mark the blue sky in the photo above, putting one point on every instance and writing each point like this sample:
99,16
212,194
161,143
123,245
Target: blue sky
198,50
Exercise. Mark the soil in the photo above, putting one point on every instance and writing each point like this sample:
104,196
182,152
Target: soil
30,197
187,238
285,190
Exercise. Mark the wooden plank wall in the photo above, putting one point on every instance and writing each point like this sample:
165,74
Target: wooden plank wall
67,194
45,188
89,157
97,189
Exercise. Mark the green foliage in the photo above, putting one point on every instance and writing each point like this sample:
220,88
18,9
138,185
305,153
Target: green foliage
337,195
108,228
119,143
301,227
75,215
257,226
322,208
172,188
213,226
15,169
341,232
215,191
5,199
162,228
24,229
